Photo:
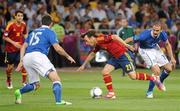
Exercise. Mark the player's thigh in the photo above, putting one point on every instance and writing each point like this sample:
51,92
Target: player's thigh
126,63
148,55
161,59
13,58
42,64
33,75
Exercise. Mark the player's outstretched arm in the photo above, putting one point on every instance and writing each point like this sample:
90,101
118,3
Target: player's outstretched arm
115,37
129,39
61,51
89,58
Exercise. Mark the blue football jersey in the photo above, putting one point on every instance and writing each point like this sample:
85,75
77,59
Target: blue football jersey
146,40
40,40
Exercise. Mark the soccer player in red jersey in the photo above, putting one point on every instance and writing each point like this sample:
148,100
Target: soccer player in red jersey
14,38
120,59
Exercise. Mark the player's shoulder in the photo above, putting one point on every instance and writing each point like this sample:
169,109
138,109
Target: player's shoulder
24,23
10,23
163,33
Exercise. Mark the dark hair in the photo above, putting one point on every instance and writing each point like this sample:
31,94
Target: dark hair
89,34
18,11
46,20
157,23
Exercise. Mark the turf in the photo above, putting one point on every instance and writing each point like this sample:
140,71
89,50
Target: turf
76,87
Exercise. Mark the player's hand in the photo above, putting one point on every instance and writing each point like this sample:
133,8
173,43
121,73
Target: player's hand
71,59
17,45
82,67
19,67
173,62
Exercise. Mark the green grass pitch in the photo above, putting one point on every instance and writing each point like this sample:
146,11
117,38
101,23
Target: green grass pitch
76,87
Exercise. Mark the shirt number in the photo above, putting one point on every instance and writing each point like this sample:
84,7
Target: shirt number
35,38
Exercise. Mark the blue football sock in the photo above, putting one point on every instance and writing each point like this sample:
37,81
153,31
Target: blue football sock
27,88
151,86
163,76
57,90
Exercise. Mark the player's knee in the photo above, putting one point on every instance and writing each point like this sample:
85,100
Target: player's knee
132,76
9,70
169,69
53,76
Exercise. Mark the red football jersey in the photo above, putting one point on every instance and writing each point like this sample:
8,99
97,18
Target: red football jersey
16,33
115,48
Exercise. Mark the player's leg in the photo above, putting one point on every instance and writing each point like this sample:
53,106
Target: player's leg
46,69
23,71
108,68
57,88
9,70
33,84
9,60
166,71
25,89
128,67
161,61
24,76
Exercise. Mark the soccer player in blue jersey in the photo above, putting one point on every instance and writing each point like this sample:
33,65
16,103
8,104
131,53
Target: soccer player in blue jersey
152,54
34,58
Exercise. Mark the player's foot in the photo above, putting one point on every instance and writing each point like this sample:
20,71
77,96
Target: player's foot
149,95
110,95
63,103
9,85
18,97
159,84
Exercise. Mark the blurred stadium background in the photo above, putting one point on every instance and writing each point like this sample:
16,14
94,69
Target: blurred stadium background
73,17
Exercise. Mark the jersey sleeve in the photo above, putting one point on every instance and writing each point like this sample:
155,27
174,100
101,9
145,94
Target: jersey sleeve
164,36
140,37
25,29
52,37
7,30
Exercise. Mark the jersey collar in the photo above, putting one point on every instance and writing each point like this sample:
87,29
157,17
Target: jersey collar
45,26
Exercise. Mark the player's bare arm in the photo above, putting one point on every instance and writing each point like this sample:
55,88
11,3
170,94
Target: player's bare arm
170,54
115,37
129,39
16,44
22,52
89,58
61,51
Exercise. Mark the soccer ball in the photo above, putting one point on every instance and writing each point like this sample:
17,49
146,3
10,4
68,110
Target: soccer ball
96,92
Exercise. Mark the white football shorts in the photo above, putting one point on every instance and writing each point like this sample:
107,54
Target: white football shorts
36,64
153,57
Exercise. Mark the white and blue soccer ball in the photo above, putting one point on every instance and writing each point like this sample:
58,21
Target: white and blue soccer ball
96,92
